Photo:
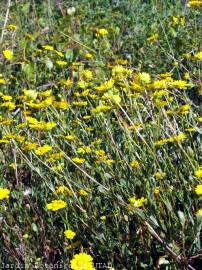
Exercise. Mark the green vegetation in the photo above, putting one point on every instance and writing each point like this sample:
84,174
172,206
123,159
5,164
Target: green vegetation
100,134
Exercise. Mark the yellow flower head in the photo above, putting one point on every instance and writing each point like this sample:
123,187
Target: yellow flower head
82,261
136,203
2,81
102,32
59,53
198,189
40,151
160,175
198,56
153,38
142,78
56,205
63,190
194,3
101,108
198,173
82,192
69,234
135,164
78,161
156,190
199,212
12,27
61,63
48,47
87,74
8,54
4,193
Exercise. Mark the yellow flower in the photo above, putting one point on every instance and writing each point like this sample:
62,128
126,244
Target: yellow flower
156,190
56,205
87,74
87,117
55,156
180,84
8,54
153,38
198,56
82,84
82,261
160,84
6,97
105,86
103,218
198,189
4,193
63,190
199,212
9,105
175,20
184,109
2,81
59,53
136,203
67,83
31,94
120,73
135,164
61,104
78,161
178,138
48,47
84,150
198,173
69,234
61,63
109,161
30,145
142,78
112,97
195,3
101,108
43,150
82,192
160,175
102,32
12,27
70,137
100,152
88,55
80,103
35,124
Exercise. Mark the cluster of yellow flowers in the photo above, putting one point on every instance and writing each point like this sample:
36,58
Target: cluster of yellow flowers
175,139
136,203
75,102
194,3
198,189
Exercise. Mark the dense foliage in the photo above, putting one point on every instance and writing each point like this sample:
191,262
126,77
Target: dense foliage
100,134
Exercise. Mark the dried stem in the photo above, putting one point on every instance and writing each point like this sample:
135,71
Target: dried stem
5,21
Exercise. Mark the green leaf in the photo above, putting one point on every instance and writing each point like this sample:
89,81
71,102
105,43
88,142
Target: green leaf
34,227
28,69
49,63
69,54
